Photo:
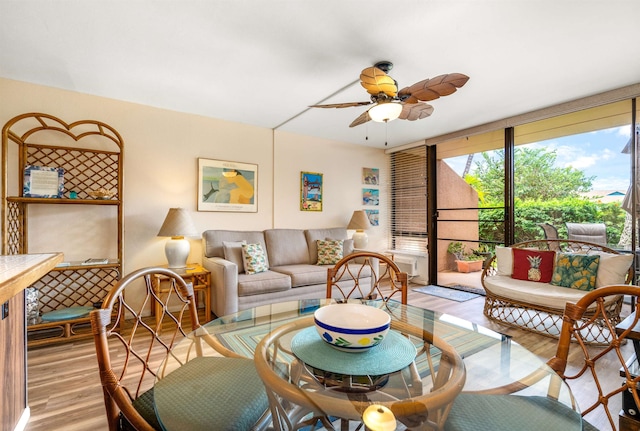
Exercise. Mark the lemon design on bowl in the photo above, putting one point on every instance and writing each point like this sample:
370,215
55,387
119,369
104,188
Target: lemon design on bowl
364,341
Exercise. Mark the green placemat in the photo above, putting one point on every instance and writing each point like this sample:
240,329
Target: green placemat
392,354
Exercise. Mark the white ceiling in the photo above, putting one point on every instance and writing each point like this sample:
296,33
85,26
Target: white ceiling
262,62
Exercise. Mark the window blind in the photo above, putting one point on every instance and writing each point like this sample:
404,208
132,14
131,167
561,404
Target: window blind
409,199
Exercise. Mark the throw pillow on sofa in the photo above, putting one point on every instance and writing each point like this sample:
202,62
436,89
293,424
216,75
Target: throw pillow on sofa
329,251
576,271
254,258
233,253
347,246
504,258
613,268
533,265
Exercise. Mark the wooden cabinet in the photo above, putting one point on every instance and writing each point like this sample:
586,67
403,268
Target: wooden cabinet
16,273
90,153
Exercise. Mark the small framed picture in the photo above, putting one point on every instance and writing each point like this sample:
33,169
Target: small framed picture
373,216
371,197
310,191
371,176
43,182
227,186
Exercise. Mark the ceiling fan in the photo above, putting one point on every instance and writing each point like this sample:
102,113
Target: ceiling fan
406,104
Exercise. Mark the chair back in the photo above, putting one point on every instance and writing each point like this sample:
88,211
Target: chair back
361,275
588,232
550,231
130,346
590,364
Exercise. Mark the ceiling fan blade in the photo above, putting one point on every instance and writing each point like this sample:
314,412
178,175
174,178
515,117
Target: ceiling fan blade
362,118
415,111
375,81
431,89
341,105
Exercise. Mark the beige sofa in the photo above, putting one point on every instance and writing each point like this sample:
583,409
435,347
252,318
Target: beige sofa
293,272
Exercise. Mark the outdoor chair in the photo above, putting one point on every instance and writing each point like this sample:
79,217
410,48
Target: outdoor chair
585,373
588,232
130,348
550,231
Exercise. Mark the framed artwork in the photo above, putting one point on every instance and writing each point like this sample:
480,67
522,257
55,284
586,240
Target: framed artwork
43,182
310,191
373,216
371,176
227,186
370,197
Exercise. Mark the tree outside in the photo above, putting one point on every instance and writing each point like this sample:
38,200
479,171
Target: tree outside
544,193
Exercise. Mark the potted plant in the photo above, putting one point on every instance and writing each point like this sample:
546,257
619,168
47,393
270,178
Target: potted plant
465,262
456,248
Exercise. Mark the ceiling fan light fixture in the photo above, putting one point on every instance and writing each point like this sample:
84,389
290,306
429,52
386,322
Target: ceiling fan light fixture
384,112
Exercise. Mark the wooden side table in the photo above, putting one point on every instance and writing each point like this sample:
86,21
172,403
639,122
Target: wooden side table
194,273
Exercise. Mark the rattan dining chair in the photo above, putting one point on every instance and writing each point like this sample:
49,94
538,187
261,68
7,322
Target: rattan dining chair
364,275
529,413
130,348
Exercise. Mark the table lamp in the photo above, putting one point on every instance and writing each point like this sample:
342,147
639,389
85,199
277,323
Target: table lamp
177,225
359,222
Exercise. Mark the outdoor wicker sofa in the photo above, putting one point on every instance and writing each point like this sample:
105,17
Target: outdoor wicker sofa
538,306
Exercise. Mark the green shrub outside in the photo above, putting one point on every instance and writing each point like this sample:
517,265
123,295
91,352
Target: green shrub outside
557,212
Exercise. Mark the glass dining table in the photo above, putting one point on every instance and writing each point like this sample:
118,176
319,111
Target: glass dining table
425,372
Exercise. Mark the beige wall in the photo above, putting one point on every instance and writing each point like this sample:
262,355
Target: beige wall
160,171
454,192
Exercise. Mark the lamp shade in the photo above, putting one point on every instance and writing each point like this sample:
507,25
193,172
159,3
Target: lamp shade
178,223
384,112
359,221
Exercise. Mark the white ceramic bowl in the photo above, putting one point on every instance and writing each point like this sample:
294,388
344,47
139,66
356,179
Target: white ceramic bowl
351,327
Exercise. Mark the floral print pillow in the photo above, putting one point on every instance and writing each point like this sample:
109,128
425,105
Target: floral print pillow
255,260
329,251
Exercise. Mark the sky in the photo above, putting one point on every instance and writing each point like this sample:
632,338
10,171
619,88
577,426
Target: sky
597,154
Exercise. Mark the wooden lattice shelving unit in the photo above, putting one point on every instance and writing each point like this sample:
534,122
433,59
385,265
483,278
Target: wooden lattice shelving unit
93,161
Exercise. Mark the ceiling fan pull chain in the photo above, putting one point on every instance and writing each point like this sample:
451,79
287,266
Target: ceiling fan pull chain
386,132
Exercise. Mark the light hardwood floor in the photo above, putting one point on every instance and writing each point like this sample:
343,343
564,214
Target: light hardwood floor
65,393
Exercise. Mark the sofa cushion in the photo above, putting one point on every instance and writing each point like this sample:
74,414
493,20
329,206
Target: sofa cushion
233,253
504,257
314,235
576,271
533,265
254,258
286,247
613,268
329,251
304,275
262,282
532,292
212,240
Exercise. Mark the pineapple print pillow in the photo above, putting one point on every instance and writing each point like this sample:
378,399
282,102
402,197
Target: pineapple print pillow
533,265
255,260
329,251
576,271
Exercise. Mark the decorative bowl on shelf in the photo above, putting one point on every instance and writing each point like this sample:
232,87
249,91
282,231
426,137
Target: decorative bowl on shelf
352,327
101,193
